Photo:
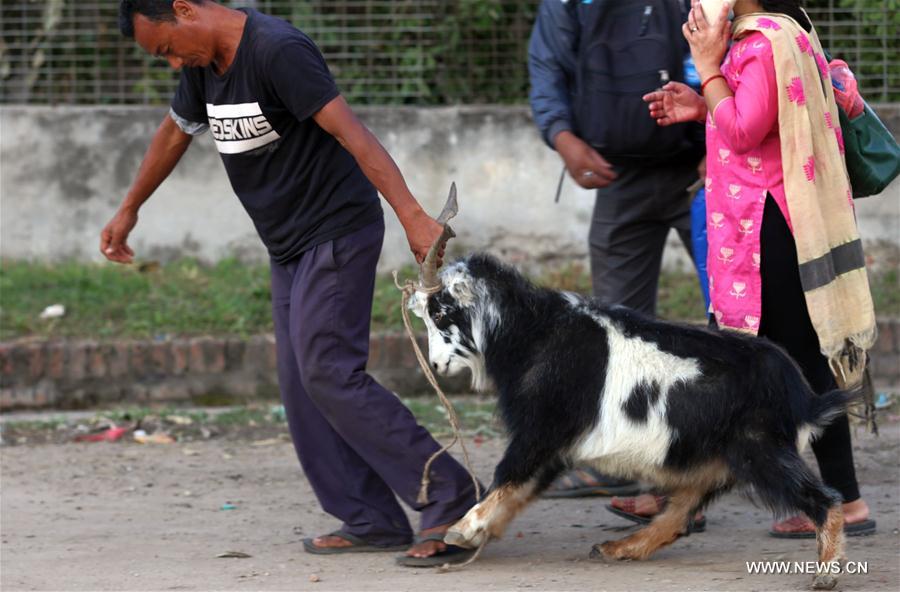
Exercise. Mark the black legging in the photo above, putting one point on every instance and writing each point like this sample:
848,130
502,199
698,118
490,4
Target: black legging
785,321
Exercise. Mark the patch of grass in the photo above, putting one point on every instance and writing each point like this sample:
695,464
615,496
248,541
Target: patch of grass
131,414
386,313
49,424
248,421
152,301
216,399
476,415
886,292
106,300
239,415
230,298
242,416
679,297
139,414
571,278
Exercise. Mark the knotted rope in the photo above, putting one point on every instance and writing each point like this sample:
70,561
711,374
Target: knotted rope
408,289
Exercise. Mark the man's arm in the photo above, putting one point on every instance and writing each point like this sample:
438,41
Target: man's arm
551,68
338,119
166,149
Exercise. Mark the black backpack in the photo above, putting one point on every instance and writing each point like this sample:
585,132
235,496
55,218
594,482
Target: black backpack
627,48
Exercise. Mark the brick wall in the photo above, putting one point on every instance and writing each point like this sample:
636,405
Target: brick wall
77,374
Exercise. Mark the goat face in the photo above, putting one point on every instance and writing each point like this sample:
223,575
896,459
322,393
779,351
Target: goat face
453,323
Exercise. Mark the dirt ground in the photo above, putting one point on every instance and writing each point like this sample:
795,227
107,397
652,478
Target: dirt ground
126,516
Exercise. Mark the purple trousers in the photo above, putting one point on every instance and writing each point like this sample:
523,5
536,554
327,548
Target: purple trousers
357,443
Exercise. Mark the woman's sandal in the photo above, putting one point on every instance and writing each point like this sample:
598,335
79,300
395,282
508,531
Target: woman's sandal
357,545
800,527
628,512
451,555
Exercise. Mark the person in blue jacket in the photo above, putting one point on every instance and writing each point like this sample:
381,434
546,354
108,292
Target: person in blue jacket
589,63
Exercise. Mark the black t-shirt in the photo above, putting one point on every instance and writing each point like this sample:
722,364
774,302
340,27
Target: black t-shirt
299,185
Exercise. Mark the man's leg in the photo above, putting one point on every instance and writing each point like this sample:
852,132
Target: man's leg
345,485
632,218
625,263
331,303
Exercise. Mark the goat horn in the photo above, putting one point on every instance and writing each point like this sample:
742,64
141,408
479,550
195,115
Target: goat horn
428,277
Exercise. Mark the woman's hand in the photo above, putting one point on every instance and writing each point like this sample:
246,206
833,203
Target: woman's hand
708,38
676,102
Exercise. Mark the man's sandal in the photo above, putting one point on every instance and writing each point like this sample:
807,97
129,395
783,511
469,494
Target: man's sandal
628,512
451,555
585,481
357,545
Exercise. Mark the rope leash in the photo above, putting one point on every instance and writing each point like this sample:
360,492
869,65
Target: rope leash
408,289
458,566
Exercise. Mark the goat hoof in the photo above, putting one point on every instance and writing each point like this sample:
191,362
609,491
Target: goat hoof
825,582
597,554
604,552
457,538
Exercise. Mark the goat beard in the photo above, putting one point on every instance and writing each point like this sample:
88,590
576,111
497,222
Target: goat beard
481,381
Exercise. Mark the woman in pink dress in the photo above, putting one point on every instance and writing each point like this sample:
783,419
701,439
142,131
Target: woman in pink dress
772,134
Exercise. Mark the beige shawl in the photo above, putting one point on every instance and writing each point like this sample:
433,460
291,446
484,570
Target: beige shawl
829,250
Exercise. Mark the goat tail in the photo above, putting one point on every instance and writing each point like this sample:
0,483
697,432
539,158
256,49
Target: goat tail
824,408
807,408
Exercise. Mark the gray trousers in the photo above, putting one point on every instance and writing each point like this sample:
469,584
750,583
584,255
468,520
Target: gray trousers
632,218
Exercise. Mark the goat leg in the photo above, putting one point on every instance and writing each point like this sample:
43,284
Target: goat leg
490,517
665,528
830,545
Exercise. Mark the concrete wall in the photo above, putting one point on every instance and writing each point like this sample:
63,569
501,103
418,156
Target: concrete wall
64,170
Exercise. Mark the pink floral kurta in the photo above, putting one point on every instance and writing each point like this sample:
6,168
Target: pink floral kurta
743,165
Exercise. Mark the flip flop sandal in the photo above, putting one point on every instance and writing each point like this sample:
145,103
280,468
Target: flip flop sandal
661,501
452,554
864,528
586,482
357,545
628,508
854,529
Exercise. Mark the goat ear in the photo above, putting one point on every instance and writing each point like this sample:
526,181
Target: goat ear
461,290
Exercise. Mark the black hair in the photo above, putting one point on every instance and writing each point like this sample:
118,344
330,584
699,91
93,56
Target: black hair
789,7
153,10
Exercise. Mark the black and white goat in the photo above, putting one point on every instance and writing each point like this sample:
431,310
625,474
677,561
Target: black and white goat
693,411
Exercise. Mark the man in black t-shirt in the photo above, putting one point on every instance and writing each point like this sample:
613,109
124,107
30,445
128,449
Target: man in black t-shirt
306,170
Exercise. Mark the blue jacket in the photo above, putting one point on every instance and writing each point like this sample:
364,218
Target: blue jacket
552,60
551,67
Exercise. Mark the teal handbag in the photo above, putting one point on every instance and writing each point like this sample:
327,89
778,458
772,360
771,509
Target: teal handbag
871,153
